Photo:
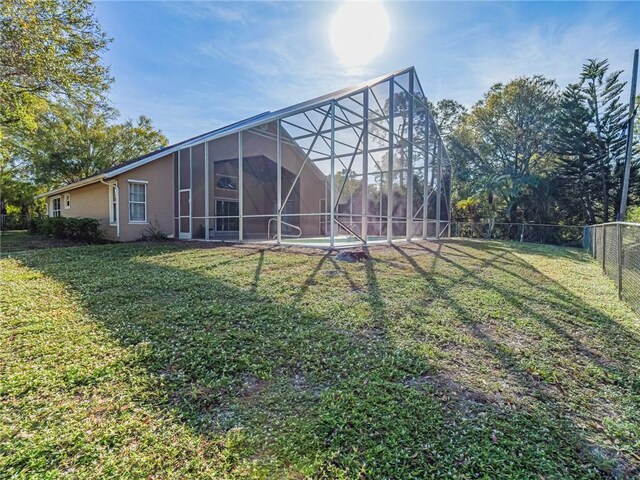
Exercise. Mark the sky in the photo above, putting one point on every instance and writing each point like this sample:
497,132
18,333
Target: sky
196,66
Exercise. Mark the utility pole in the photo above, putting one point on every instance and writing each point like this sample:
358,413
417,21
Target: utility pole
632,116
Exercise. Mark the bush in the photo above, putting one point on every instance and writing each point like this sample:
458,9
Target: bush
14,221
154,232
67,228
633,214
36,226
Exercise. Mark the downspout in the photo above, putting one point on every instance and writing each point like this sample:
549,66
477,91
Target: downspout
117,191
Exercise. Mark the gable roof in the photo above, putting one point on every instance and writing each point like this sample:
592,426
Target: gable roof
245,124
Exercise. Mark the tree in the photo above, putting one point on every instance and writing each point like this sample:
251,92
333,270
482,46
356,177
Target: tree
48,49
16,188
575,184
607,118
489,188
447,114
76,139
509,132
634,177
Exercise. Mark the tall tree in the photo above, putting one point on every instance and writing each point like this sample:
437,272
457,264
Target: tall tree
447,114
634,178
76,139
602,91
16,186
576,183
509,132
48,49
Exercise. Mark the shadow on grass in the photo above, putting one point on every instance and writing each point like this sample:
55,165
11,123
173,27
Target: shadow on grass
18,241
607,330
320,400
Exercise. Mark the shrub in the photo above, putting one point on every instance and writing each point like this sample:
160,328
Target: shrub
154,232
633,214
36,226
14,221
68,228
468,209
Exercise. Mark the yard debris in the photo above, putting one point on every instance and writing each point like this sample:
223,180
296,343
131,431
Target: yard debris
352,257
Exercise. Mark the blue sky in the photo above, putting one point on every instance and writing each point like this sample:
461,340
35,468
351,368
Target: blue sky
196,66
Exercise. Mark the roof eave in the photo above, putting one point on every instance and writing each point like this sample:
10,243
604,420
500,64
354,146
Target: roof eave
255,121
260,120
71,186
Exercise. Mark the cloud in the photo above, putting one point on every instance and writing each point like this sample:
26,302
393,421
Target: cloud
222,62
555,48
202,11
282,60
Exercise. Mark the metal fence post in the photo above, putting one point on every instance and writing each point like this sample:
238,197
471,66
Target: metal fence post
620,259
522,233
604,248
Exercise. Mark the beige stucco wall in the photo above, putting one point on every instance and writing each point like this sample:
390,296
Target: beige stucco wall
93,201
88,201
159,175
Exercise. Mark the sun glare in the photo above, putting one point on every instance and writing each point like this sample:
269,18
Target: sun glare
359,32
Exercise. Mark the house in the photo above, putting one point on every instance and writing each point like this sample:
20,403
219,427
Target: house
372,151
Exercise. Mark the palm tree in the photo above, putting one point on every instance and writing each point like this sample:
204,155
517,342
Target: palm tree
490,187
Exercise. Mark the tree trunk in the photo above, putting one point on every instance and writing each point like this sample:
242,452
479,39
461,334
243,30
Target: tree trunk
586,200
605,195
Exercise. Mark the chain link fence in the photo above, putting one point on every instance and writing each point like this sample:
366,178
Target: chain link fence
616,246
13,222
564,235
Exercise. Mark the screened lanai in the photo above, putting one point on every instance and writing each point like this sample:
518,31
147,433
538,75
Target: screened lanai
362,165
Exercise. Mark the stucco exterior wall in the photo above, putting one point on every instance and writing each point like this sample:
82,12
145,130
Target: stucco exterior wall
161,180
160,207
89,201
93,201
259,181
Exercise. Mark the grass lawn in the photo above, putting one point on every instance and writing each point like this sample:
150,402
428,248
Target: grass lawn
19,240
464,359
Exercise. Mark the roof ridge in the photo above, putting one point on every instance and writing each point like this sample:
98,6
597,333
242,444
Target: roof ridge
248,122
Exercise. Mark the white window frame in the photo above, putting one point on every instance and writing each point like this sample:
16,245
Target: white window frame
53,210
226,218
235,180
67,201
113,202
146,189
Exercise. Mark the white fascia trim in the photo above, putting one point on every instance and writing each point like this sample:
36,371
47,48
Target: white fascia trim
285,112
71,186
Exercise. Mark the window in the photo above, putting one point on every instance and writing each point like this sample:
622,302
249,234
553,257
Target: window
227,209
137,202
113,205
55,207
67,201
226,183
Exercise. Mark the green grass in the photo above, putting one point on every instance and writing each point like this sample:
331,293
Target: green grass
467,359
13,241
